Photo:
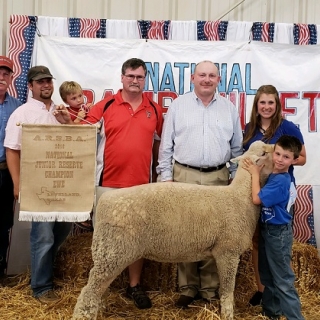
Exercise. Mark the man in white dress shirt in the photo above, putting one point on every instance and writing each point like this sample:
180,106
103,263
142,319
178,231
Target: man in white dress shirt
45,237
201,133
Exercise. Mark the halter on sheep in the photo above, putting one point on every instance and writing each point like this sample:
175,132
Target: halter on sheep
174,222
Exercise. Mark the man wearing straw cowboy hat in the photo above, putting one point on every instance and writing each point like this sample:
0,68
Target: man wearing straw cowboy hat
7,105
45,237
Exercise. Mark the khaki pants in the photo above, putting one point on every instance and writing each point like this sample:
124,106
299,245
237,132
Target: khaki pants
201,276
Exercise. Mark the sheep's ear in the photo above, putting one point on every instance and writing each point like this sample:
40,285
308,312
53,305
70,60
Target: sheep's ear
268,148
237,159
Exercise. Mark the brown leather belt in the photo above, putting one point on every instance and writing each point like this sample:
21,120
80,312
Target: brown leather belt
203,169
3,165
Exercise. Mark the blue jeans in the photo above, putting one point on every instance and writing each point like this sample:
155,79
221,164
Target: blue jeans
45,240
279,296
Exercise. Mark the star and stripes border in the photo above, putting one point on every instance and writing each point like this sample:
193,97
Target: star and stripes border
156,30
21,41
305,34
87,28
23,30
212,30
263,31
303,226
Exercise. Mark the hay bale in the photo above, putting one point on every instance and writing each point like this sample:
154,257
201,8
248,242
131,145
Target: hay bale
74,263
306,266
74,259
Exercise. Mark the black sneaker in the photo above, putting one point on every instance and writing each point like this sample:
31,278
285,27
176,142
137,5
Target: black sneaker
256,299
184,301
139,296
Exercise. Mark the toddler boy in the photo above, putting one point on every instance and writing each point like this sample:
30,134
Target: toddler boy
71,93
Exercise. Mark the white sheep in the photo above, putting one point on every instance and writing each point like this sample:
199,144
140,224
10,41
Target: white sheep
174,222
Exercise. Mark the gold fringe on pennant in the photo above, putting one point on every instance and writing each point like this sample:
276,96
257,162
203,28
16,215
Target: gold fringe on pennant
54,216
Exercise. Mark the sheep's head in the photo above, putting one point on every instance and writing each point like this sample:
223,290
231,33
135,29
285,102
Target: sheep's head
259,153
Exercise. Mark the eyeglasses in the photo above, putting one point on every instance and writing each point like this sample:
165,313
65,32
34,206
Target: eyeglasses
131,77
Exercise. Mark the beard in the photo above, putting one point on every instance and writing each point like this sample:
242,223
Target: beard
46,95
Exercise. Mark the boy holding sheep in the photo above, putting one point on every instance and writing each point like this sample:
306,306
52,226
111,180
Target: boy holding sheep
275,242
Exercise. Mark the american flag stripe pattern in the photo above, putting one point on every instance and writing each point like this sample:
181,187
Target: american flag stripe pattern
303,227
84,28
263,31
89,28
304,34
212,30
22,34
157,30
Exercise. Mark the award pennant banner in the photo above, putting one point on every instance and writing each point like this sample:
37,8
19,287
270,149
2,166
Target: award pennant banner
57,172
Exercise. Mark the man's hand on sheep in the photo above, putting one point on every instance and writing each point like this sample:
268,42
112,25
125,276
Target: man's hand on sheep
252,168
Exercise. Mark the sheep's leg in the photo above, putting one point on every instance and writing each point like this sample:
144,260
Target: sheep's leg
109,262
227,265
88,302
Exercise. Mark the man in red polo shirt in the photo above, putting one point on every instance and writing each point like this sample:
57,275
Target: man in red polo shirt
131,126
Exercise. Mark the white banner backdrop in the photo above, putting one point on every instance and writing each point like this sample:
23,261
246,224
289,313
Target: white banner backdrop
244,67
294,70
